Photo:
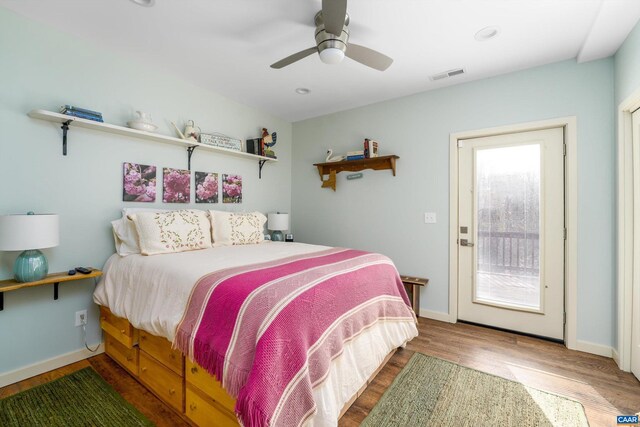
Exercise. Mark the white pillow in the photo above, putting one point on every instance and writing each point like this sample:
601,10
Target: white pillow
237,228
125,235
173,231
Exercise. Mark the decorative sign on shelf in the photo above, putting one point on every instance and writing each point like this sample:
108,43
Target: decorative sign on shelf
222,141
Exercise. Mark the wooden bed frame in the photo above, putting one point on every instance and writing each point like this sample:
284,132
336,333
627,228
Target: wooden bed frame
167,373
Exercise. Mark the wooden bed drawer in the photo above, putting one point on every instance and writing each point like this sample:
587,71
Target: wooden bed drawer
207,413
165,383
118,328
198,377
160,349
127,357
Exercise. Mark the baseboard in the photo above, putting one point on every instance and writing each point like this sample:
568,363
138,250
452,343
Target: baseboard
38,368
599,349
436,315
616,356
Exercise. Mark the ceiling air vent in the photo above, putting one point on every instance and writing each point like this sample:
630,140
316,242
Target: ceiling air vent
447,74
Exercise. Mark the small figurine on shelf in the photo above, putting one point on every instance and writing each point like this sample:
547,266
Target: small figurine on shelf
335,158
267,142
191,131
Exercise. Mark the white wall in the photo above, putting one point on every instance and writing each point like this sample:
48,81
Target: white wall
385,214
43,68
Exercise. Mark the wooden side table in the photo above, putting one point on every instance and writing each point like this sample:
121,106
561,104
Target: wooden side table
53,278
412,285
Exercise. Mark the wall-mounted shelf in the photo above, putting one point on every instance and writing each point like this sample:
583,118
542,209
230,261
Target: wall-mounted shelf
332,168
54,278
69,121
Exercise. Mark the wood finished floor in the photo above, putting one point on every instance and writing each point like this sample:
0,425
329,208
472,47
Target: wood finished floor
595,381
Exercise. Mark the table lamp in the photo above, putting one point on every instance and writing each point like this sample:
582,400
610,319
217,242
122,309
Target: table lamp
29,233
278,222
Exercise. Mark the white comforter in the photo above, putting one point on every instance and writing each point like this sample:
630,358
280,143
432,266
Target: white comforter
152,293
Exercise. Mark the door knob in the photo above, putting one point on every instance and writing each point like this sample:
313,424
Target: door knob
465,242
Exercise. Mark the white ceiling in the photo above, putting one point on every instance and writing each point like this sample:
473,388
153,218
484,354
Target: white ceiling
228,45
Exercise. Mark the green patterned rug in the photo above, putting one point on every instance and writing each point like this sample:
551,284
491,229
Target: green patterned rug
433,392
82,398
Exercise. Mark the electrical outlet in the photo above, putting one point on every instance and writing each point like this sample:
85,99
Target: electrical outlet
430,218
81,317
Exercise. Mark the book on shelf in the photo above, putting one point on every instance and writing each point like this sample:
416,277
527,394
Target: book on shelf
355,153
66,108
357,157
83,116
370,149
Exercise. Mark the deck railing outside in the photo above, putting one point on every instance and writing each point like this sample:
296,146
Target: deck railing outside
515,253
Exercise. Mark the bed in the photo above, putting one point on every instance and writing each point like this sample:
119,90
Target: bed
274,368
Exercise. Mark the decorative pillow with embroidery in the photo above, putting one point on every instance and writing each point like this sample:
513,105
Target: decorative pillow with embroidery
173,231
237,228
125,235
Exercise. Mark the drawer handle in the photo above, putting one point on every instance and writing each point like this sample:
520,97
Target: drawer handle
172,391
129,358
194,370
144,369
193,407
143,337
122,331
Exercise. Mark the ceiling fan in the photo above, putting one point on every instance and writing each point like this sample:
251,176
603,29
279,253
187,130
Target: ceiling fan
332,40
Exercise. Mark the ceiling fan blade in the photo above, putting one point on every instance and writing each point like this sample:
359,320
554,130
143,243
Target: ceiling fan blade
368,57
334,13
293,58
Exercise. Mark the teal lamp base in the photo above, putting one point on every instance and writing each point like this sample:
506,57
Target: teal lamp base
30,266
277,236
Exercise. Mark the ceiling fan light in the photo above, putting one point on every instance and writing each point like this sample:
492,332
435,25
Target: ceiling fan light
145,3
331,55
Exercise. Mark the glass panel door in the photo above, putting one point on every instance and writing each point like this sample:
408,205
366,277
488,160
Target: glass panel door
507,203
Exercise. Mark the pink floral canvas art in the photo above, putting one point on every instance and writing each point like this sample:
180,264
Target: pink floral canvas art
176,185
138,183
206,187
231,188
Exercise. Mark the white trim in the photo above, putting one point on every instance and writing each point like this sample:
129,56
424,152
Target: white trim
453,224
571,213
616,356
437,315
625,228
38,368
593,348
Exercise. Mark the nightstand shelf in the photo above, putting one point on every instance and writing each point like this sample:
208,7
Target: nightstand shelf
54,278
412,285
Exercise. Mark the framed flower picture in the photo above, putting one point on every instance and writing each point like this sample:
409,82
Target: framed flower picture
231,188
138,183
176,185
206,187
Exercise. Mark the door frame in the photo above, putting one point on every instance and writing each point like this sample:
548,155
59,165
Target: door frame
622,355
569,124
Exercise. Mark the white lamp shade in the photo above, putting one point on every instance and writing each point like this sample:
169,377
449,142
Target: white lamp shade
23,232
278,221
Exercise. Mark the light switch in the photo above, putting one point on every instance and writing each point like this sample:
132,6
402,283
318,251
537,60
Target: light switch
429,217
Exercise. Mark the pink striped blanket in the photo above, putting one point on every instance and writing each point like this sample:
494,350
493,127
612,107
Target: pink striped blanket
269,331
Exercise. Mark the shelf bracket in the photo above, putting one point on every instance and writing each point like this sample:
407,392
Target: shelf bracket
1,301
190,151
260,165
55,290
65,128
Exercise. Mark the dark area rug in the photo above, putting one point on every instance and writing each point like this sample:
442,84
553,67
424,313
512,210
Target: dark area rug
433,392
82,398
